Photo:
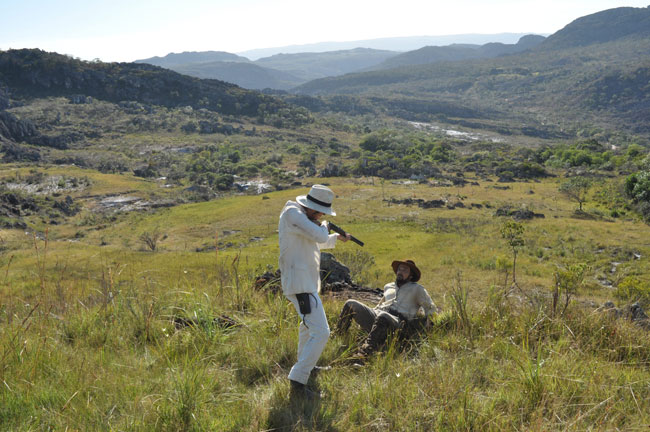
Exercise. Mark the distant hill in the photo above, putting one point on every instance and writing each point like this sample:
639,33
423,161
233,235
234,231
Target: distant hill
279,72
601,27
433,54
247,75
177,59
594,77
407,43
310,66
35,73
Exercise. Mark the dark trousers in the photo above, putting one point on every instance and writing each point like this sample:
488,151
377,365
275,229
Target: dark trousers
377,323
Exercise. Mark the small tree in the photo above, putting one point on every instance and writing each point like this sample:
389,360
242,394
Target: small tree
513,233
567,282
150,239
576,189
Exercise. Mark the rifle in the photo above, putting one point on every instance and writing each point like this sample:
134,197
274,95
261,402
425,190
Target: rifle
339,230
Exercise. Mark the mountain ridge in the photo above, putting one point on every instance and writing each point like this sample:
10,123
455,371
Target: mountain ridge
30,73
432,54
177,59
566,84
402,43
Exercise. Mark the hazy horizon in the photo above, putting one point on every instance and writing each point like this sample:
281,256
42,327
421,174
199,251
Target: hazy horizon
123,30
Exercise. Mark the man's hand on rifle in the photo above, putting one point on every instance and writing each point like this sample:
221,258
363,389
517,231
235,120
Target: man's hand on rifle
344,238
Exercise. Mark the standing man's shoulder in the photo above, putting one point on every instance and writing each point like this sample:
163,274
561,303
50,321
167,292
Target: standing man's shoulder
291,206
291,210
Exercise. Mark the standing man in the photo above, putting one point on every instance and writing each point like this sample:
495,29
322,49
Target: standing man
302,237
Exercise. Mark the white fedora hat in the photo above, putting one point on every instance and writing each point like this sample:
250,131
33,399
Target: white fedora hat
319,198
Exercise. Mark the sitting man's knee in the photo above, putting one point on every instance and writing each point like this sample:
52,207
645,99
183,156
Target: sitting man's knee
351,306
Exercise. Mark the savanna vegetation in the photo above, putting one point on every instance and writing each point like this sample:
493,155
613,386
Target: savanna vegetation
89,340
133,232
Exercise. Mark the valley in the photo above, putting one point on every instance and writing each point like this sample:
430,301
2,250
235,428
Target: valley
139,237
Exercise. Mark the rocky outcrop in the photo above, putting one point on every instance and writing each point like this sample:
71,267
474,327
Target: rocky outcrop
18,153
14,129
67,206
17,130
518,214
633,312
420,202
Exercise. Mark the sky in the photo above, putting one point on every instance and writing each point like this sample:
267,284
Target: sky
127,30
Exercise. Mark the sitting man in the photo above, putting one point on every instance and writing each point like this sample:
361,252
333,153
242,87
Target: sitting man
398,309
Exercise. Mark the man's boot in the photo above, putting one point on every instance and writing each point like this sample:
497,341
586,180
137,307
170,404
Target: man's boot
318,369
376,337
345,320
300,391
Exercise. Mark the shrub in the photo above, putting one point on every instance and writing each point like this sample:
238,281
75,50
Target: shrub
150,239
637,186
633,289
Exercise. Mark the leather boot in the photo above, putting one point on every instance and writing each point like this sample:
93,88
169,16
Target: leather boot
318,369
345,320
376,337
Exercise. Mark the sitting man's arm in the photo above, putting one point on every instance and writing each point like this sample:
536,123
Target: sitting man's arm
424,299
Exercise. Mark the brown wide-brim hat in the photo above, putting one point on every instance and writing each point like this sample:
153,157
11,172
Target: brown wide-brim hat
415,271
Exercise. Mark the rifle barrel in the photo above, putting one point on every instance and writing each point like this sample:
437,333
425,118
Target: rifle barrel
342,232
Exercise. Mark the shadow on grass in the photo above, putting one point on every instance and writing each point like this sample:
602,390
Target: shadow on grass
287,414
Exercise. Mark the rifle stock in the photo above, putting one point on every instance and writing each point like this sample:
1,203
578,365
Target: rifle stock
342,232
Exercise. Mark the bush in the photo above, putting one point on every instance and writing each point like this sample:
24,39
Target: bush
637,187
633,289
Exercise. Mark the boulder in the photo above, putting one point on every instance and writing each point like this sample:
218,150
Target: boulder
633,312
332,271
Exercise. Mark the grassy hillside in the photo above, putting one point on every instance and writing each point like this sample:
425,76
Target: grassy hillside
128,211
88,341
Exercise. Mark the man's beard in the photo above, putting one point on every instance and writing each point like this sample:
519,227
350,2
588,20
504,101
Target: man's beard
399,280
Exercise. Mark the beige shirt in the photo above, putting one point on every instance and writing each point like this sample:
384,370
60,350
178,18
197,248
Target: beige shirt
407,299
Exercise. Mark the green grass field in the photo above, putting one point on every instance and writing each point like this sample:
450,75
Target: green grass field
87,341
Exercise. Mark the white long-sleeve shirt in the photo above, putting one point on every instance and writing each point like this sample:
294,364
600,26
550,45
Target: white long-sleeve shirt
300,243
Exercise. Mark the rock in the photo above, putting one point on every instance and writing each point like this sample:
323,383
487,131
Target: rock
269,281
420,202
67,206
79,99
332,271
633,312
518,214
14,129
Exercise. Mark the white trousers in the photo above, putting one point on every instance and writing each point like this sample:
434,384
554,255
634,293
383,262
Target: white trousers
312,337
